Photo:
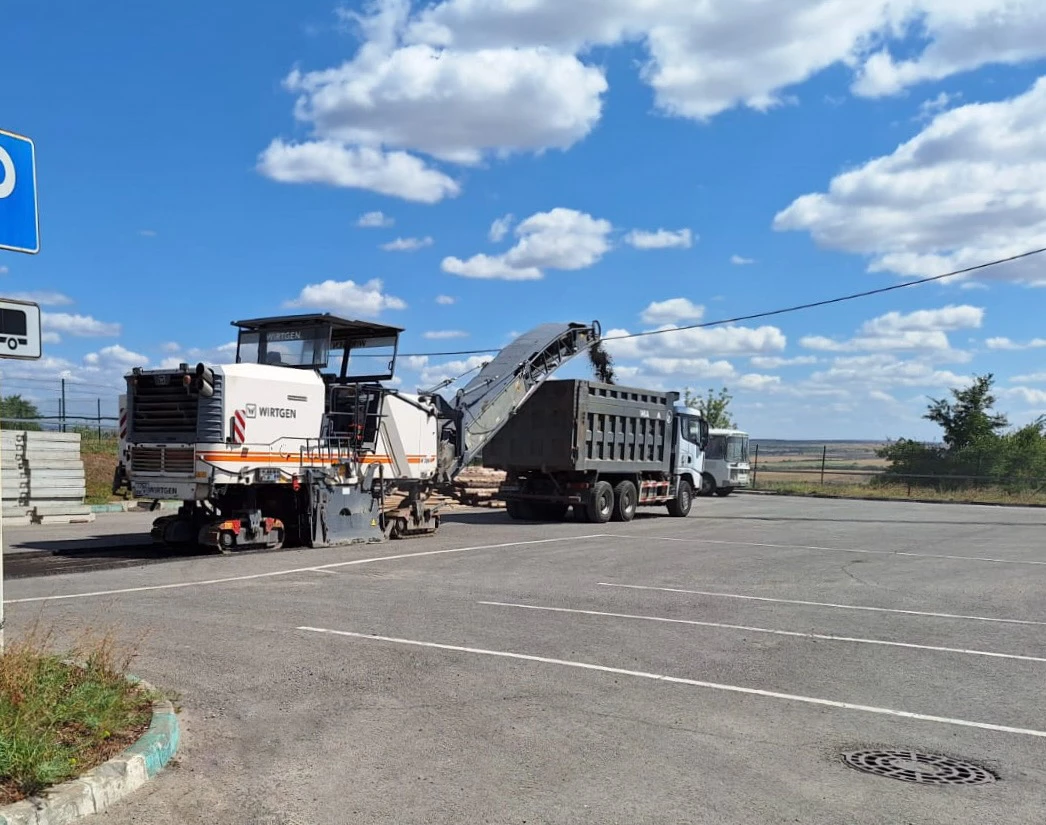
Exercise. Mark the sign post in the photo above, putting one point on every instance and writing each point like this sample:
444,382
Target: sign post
19,232
20,335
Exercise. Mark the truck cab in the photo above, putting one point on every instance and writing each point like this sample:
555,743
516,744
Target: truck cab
726,461
691,438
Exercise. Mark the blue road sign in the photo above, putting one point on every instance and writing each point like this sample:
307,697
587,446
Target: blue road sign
19,222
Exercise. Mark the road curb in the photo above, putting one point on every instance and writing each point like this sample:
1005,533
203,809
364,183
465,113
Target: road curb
133,506
111,781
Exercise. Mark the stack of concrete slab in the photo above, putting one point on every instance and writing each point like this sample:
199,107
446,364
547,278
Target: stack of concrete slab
14,479
43,478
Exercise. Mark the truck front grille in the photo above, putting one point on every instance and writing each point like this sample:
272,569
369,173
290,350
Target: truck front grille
177,460
161,406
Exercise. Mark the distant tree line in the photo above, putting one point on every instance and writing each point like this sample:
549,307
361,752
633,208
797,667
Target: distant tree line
978,450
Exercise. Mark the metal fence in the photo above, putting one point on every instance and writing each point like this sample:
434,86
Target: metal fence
856,463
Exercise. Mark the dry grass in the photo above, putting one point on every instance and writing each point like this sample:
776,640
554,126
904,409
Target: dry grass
900,492
99,457
58,720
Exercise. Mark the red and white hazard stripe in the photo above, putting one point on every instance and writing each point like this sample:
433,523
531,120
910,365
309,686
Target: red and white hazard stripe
123,425
239,427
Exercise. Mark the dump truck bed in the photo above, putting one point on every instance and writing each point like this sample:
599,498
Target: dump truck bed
575,425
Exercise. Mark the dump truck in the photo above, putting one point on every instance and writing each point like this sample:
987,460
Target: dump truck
301,441
601,449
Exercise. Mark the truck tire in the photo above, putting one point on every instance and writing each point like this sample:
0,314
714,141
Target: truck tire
707,485
625,499
679,507
724,491
600,505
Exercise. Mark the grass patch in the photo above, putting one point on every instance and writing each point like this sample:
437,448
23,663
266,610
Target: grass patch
58,720
100,458
900,492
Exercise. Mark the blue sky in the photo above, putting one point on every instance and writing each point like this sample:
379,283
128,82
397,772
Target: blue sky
537,161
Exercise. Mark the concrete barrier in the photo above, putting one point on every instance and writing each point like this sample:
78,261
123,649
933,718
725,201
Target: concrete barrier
43,479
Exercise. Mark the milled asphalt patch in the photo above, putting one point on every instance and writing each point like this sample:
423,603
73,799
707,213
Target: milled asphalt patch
110,782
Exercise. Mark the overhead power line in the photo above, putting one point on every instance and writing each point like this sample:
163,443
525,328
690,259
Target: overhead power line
772,312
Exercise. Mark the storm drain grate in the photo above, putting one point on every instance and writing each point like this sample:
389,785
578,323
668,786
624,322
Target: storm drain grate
923,768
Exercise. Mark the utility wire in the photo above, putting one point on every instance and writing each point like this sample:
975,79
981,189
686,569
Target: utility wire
770,313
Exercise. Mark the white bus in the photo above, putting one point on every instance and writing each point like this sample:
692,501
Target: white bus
726,462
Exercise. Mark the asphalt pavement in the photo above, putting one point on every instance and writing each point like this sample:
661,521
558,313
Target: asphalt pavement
707,670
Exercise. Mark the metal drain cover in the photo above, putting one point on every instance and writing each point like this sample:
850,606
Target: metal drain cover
923,768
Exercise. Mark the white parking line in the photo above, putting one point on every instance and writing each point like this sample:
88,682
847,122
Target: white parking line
292,571
824,604
749,629
831,549
766,694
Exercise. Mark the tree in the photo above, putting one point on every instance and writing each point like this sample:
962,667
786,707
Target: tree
714,408
25,412
969,418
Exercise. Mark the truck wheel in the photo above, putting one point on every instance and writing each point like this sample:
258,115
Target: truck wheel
679,507
625,501
707,485
600,503
724,491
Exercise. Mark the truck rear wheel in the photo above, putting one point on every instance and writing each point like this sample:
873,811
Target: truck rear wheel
625,497
679,507
600,505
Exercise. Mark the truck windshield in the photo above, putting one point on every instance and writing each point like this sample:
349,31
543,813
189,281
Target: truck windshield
309,347
692,429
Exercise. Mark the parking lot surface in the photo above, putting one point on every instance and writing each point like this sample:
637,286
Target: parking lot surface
707,670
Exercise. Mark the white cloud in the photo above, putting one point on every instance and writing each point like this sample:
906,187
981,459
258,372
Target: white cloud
446,300
115,357
696,343
879,395
885,370
1031,397
691,367
444,334
50,338
432,374
929,108
738,260
348,298
170,346
558,239
397,174
407,244
82,326
671,311
1007,344
147,233
4,270
661,239
43,298
1031,378
500,227
773,362
960,36
970,188
923,329
758,383
375,220
222,354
